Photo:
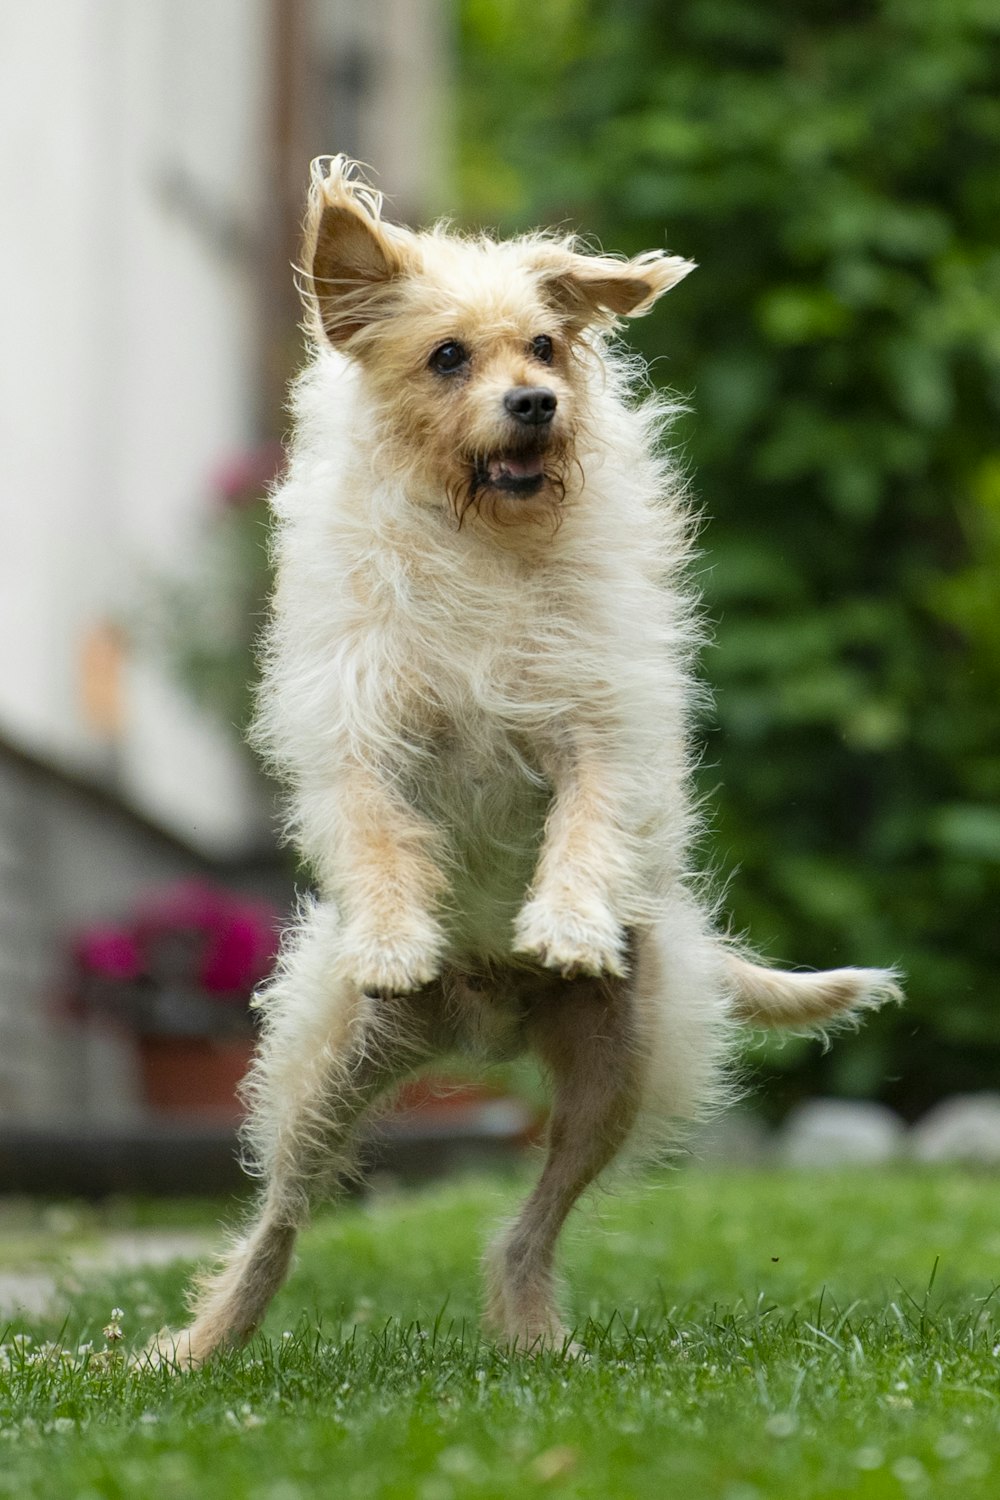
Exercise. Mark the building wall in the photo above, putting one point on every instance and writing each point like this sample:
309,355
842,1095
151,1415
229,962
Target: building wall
64,862
135,138
155,158
381,80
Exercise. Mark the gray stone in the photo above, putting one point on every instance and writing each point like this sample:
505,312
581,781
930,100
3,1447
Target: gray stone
841,1132
963,1128
735,1138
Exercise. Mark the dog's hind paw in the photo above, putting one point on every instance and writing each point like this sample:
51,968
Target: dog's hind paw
573,945
170,1350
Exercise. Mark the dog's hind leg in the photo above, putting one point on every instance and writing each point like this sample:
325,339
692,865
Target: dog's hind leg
585,1033
326,1055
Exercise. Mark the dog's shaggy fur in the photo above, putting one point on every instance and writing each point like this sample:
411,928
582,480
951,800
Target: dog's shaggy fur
477,686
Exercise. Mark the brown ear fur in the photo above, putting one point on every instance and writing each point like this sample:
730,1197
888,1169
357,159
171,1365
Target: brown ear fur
350,256
590,289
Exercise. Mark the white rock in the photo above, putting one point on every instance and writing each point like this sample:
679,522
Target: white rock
735,1138
840,1132
963,1128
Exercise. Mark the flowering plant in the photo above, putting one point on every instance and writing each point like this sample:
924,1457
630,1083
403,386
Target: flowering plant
203,622
185,962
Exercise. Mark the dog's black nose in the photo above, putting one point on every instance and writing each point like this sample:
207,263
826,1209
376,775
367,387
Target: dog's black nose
534,405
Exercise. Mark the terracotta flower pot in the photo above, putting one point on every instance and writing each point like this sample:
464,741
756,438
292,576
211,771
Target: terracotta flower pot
442,1104
194,1077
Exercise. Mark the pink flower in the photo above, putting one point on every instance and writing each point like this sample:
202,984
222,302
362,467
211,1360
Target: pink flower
238,933
225,941
245,476
111,952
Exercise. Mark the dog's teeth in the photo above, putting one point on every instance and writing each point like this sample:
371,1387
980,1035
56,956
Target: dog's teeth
528,467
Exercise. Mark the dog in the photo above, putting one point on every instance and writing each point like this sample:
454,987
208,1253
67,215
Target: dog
477,684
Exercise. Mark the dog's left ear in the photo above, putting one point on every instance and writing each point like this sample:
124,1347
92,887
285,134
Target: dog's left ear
597,289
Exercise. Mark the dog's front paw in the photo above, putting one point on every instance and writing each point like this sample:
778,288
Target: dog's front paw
381,964
573,943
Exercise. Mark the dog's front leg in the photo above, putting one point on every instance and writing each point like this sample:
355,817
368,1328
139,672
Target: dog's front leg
569,922
375,855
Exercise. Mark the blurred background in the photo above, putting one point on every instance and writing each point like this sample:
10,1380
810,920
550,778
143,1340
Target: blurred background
835,171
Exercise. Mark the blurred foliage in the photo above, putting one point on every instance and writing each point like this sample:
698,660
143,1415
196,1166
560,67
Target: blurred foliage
204,623
835,169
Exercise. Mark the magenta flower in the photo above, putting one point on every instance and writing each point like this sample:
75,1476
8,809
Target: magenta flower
204,935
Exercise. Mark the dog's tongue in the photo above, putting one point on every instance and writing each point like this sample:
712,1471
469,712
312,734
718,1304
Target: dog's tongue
528,467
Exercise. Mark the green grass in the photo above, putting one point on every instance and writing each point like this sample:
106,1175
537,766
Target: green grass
753,1336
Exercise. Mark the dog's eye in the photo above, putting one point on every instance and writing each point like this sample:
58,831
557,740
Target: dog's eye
448,358
541,348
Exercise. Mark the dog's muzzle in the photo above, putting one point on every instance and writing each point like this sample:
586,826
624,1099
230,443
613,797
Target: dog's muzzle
520,468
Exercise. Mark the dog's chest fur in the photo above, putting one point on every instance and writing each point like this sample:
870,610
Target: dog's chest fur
491,814
495,674
461,663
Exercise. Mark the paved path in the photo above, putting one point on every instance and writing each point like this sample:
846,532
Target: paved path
33,1292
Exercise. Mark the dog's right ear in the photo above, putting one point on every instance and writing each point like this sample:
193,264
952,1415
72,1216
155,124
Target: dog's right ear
597,290
351,258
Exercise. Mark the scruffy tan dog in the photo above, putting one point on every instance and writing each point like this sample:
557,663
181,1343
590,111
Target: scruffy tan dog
477,686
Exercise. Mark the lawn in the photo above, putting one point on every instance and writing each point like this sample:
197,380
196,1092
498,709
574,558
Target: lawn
752,1335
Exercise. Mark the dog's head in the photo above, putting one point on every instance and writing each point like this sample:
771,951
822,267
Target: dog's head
477,355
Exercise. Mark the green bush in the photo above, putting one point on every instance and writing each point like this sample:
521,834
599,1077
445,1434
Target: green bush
835,170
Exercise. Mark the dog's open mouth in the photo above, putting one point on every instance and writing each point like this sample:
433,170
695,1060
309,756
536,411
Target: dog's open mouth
513,473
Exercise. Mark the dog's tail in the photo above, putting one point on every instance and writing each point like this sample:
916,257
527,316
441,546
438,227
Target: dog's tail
772,997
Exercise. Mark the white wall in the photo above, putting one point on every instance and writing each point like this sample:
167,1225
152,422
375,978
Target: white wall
134,145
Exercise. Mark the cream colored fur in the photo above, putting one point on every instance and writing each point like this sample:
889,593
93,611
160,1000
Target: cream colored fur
477,688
